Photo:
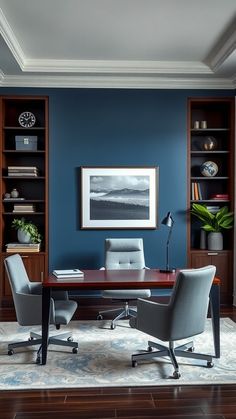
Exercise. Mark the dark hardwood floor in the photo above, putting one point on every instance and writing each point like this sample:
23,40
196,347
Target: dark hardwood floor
165,402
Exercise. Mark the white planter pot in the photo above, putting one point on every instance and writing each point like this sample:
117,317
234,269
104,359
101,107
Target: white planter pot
215,241
23,237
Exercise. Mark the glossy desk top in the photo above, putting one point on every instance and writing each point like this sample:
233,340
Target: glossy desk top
117,279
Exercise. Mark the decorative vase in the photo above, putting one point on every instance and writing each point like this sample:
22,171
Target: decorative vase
209,144
14,193
215,241
209,169
23,237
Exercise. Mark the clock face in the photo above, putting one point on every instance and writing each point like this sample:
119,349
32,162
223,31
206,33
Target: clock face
27,119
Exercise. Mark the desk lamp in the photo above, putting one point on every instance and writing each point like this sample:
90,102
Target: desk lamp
169,222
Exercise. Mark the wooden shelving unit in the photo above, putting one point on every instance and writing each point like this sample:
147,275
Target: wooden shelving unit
34,190
219,116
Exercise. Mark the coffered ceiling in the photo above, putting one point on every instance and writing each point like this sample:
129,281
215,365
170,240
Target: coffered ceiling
118,43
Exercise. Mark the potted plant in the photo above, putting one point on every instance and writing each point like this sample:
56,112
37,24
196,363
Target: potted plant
214,223
27,232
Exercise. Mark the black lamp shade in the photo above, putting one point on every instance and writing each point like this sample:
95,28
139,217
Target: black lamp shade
168,220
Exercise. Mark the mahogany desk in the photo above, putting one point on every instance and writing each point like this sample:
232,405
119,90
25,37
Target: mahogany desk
122,279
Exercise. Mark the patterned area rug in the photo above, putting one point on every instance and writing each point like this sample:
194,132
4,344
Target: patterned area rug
104,359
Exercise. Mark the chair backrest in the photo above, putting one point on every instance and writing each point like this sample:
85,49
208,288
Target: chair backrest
124,254
189,302
17,275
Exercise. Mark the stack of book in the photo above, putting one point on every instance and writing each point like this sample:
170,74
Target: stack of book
24,208
23,247
220,196
68,274
19,171
213,208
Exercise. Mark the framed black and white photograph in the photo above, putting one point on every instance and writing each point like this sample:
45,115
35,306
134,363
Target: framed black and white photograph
119,197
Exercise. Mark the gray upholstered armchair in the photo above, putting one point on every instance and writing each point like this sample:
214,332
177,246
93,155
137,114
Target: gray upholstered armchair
124,254
183,317
28,306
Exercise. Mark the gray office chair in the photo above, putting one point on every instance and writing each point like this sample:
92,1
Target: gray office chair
28,306
124,254
183,317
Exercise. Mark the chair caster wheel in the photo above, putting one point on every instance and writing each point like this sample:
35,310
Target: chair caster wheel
70,339
210,364
113,326
99,317
176,375
134,364
10,352
75,350
149,349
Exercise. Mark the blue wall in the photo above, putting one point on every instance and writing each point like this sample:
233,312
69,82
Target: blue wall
106,127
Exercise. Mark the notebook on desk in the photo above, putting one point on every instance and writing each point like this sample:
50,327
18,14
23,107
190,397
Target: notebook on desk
68,273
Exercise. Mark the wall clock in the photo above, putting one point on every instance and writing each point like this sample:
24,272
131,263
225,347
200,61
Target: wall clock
27,119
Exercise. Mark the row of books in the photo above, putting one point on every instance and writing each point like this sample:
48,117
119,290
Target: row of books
25,208
196,191
19,171
23,247
197,194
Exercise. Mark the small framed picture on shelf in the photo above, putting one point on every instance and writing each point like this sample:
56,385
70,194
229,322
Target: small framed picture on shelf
119,197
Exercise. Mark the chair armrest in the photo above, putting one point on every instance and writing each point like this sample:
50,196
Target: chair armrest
35,288
151,317
29,309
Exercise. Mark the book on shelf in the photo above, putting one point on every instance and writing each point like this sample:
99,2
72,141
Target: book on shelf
25,245
13,199
17,169
220,197
196,193
68,273
22,174
22,250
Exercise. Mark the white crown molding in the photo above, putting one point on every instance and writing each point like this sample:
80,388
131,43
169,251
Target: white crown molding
114,66
223,49
11,41
114,81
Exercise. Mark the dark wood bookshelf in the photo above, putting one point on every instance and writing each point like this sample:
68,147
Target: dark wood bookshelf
219,116
34,189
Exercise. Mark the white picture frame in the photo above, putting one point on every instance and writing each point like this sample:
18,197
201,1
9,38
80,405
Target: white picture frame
119,197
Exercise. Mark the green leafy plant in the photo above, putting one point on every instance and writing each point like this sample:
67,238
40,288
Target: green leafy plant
222,219
27,227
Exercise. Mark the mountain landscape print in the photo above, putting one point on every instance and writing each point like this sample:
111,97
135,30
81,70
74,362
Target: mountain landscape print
119,197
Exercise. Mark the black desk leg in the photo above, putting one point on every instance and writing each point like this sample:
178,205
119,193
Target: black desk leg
46,297
215,317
